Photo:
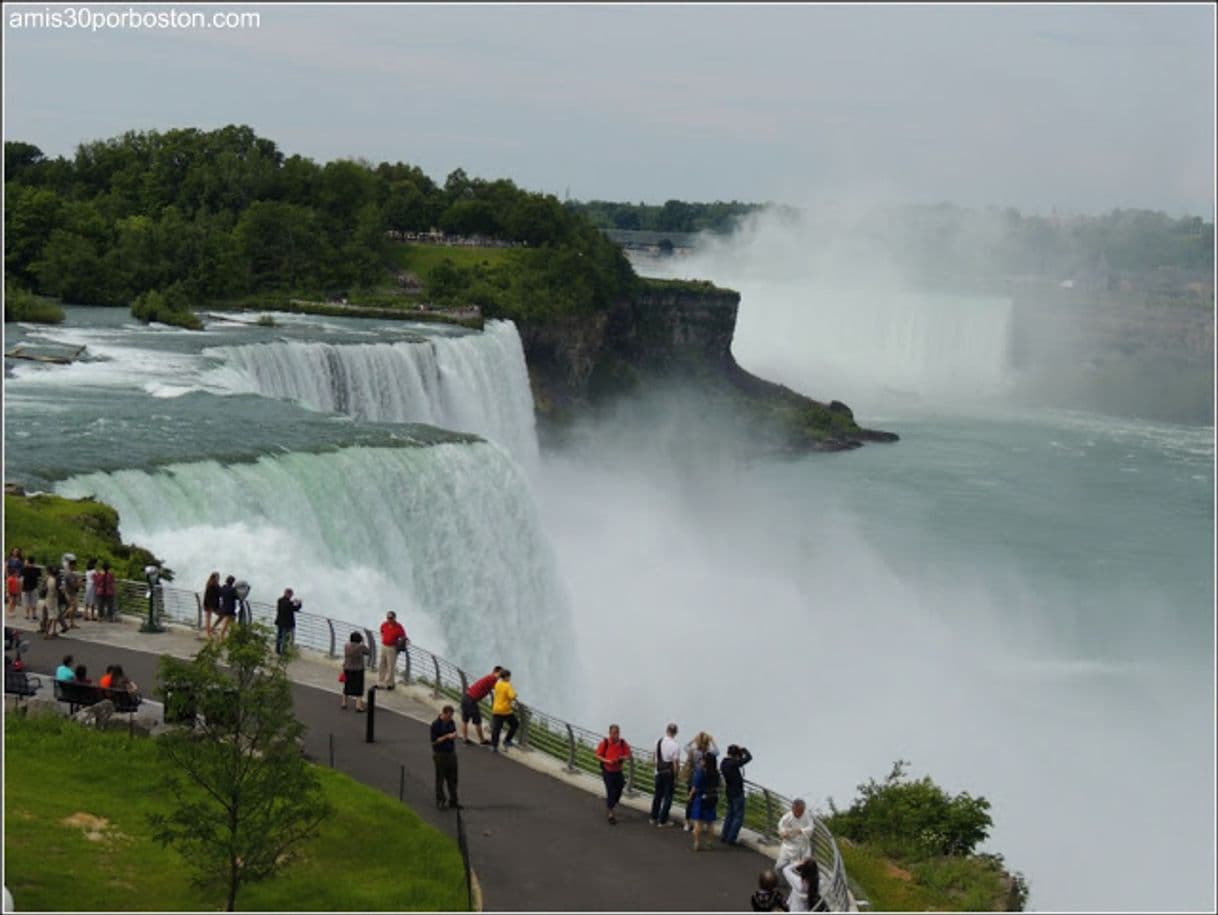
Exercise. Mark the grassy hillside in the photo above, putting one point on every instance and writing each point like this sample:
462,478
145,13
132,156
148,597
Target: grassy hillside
47,526
77,837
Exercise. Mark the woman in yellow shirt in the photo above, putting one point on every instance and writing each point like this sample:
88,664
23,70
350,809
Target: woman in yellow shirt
501,712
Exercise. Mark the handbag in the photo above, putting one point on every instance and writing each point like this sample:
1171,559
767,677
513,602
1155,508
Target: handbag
400,644
342,676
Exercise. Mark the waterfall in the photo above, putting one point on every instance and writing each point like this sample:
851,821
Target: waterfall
447,535
470,383
835,342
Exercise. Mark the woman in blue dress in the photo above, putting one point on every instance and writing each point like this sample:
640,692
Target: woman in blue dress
704,797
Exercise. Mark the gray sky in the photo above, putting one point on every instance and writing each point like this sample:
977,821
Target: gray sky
1082,108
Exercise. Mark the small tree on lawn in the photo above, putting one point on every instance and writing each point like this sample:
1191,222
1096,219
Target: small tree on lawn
250,798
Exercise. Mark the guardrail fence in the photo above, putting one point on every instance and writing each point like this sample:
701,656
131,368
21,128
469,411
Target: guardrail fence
573,745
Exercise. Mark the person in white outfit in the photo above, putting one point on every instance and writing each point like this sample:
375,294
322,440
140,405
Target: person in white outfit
795,830
804,878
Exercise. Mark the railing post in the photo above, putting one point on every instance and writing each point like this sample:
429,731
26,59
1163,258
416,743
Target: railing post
435,662
330,623
372,647
523,739
770,828
198,611
370,719
630,776
570,749
464,681
406,672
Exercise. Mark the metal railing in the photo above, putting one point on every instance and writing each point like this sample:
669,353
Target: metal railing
573,745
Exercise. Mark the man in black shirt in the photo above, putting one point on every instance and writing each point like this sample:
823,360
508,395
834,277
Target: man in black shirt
30,576
285,620
444,752
733,781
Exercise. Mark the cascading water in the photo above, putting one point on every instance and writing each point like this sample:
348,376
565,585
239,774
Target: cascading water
871,346
471,383
446,534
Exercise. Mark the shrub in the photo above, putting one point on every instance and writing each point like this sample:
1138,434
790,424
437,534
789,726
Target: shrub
913,818
170,307
22,305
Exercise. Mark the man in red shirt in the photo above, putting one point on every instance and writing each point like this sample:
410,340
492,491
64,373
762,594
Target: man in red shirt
393,640
478,690
612,752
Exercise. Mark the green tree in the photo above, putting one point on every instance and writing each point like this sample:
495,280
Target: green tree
281,243
250,798
470,217
31,214
913,818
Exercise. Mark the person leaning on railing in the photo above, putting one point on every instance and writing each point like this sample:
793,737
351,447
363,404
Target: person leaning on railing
733,786
502,713
470,711
286,609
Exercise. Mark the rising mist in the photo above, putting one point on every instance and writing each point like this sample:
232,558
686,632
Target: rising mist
1018,600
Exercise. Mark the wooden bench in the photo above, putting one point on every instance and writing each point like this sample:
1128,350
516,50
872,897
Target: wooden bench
20,684
82,695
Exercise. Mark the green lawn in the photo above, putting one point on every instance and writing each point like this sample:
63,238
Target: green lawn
957,884
422,259
77,838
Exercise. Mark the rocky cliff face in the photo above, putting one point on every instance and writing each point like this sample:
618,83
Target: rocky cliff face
672,330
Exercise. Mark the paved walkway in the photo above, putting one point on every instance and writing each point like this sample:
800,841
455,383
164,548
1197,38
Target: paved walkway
538,837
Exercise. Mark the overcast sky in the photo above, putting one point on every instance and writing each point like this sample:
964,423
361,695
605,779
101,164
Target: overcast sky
1082,108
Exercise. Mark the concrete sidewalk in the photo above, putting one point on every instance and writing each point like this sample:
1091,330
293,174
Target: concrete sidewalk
537,835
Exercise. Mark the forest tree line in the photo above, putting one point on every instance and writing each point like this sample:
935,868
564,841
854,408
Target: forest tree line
198,216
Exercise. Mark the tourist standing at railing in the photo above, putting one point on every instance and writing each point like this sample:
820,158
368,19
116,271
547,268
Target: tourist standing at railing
668,759
613,752
71,588
804,878
211,602
444,753
31,573
733,786
502,712
91,589
701,744
228,606
767,897
354,654
470,709
49,599
107,593
393,641
704,798
286,609
795,830
12,591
